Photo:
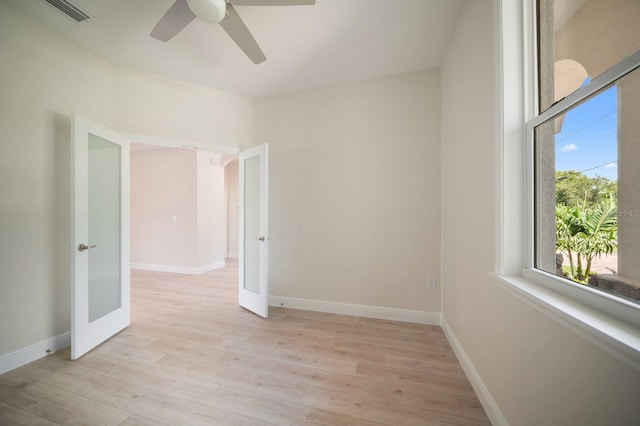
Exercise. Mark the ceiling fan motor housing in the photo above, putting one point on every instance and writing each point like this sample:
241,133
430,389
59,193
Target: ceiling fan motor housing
208,10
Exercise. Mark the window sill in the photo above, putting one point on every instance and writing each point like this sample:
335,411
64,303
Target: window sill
619,338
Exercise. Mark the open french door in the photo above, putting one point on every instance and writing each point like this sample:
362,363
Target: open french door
100,296
254,230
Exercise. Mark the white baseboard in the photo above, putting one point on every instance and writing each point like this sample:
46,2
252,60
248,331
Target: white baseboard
178,269
34,352
488,403
233,255
379,312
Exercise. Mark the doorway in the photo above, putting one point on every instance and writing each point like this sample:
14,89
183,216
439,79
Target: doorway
179,212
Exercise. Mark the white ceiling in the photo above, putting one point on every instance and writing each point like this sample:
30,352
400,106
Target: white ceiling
329,43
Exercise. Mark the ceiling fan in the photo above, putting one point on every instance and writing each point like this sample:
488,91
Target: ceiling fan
182,12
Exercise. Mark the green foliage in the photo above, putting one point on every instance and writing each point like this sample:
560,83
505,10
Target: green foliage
582,233
574,189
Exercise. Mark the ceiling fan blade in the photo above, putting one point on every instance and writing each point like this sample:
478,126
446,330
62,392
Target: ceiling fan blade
177,17
272,2
239,33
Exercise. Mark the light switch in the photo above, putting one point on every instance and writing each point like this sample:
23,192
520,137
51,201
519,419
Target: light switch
431,284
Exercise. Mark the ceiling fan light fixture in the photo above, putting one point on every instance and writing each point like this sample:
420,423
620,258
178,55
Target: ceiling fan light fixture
208,10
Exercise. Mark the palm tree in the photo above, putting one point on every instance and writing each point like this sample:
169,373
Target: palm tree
567,229
586,233
600,232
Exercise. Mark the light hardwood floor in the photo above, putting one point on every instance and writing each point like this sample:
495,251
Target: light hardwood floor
193,357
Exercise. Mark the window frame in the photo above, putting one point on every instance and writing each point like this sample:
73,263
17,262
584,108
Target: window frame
616,306
610,322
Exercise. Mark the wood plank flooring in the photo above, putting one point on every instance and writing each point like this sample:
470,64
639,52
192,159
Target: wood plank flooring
193,357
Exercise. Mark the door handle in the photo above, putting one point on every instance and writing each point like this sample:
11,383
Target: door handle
83,247
261,238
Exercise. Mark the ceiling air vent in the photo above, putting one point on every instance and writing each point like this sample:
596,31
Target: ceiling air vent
69,9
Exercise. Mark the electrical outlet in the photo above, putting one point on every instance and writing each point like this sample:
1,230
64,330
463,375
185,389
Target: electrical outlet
431,284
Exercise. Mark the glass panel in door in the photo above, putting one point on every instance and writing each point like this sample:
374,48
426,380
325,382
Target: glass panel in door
104,227
252,224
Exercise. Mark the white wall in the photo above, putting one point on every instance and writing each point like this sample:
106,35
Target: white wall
156,106
43,80
354,191
538,370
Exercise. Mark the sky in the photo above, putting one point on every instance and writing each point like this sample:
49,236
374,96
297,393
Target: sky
588,140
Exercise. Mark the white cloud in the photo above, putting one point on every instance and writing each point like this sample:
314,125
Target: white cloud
611,165
569,148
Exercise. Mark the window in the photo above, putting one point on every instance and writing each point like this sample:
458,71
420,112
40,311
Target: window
610,322
586,146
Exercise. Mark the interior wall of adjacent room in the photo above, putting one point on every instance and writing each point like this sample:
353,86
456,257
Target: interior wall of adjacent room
177,208
355,190
164,207
212,227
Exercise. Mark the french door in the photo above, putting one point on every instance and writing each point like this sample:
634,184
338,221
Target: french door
254,230
100,296
100,305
